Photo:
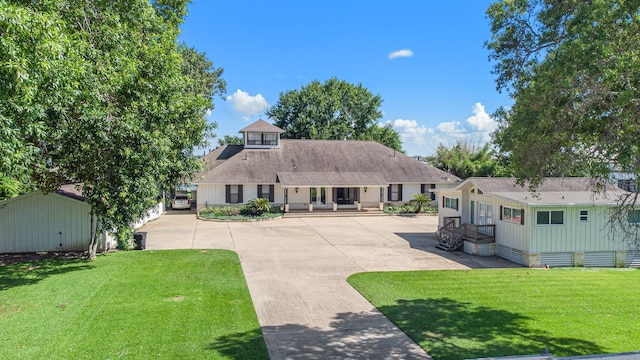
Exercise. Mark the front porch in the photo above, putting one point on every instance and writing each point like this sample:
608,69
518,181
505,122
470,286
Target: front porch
333,199
475,239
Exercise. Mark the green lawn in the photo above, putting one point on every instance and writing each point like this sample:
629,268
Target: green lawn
187,304
483,313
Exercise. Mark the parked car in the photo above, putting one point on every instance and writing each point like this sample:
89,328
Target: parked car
181,202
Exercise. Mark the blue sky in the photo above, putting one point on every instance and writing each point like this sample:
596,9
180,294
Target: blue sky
425,58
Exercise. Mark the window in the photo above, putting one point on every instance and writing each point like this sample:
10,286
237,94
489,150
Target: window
395,192
270,139
628,185
256,138
634,217
233,194
428,189
513,215
550,217
584,215
450,203
489,217
266,192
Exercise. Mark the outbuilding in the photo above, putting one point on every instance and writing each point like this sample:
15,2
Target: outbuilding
562,223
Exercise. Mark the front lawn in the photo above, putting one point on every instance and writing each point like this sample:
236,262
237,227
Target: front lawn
186,304
485,313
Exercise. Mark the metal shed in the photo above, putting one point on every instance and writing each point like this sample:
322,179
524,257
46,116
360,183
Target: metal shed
35,222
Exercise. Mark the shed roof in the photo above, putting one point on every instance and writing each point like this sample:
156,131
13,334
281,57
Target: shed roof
318,163
552,192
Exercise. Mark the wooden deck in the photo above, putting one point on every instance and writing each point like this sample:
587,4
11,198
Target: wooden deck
452,236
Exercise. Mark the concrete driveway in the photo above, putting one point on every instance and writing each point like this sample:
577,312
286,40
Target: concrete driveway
296,270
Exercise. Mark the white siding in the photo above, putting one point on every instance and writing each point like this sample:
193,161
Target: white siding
210,195
372,196
447,212
38,222
510,234
408,190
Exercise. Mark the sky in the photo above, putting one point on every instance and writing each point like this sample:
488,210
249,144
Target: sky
425,58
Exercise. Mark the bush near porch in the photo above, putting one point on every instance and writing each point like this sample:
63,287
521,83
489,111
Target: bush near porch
489,313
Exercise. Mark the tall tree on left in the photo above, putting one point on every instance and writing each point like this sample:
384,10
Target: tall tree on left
101,93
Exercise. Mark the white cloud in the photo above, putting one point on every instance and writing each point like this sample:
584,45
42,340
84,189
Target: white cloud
451,128
401,53
246,104
414,136
481,122
208,113
418,139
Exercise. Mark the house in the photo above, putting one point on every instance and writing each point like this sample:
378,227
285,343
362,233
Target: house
57,221
564,223
312,174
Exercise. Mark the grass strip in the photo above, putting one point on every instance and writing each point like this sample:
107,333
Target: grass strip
486,313
179,304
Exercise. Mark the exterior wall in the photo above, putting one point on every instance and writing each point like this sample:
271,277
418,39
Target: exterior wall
371,198
152,214
215,194
446,212
210,195
574,235
38,222
515,236
408,190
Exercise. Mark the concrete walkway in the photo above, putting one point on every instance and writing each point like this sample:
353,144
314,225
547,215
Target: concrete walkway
296,270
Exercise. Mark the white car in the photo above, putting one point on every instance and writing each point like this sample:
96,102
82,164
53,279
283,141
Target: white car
181,202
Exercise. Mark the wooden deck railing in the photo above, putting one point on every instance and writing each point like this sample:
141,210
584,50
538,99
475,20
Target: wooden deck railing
480,233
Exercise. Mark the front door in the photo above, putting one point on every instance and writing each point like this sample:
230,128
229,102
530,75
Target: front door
345,196
473,212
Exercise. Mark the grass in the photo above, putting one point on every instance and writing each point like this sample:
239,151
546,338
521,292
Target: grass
185,304
486,313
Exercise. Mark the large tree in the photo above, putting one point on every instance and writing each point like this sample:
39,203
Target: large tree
465,159
573,69
103,94
334,109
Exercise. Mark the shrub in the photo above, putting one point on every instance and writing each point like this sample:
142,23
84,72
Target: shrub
124,236
256,207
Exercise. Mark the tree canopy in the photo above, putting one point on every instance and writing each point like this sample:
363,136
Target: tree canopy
573,69
101,93
335,110
466,160
230,140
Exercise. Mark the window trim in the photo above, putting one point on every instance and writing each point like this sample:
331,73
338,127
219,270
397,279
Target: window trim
228,194
583,217
447,203
550,217
509,219
398,193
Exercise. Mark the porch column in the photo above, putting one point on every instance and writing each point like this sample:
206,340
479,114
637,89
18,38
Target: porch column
286,199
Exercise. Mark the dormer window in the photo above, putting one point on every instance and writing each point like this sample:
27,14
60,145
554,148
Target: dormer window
255,138
261,135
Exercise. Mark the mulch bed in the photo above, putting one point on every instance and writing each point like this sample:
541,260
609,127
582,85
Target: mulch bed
10,259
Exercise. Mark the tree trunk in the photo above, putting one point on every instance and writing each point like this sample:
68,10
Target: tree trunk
93,242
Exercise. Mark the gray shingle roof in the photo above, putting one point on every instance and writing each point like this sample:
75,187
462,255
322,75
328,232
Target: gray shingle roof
553,191
262,126
319,163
